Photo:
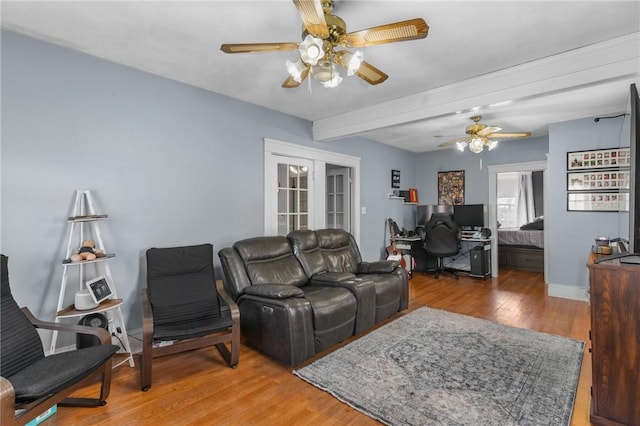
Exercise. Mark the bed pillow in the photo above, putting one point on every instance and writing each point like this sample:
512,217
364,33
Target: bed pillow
536,225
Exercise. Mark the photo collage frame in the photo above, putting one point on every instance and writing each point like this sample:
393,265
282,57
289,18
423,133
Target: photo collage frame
598,180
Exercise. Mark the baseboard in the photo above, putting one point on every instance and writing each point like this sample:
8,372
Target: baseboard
568,292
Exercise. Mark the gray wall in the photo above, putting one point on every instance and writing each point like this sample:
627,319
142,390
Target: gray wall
169,163
475,166
571,234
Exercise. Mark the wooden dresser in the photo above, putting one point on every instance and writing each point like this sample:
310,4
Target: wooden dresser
615,342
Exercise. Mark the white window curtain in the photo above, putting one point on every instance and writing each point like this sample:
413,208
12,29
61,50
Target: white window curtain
525,210
515,199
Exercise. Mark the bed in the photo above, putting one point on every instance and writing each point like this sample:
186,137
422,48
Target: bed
521,249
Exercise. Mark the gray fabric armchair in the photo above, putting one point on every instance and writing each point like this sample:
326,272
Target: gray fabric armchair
31,382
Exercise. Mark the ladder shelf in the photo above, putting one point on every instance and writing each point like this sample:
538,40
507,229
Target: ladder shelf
83,225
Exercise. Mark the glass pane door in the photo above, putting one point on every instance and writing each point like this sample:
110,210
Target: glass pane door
293,195
338,198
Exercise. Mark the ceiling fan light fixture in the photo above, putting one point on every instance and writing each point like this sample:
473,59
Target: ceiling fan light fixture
295,69
351,61
491,144
311,49
326,73
461,145
333,82
476,145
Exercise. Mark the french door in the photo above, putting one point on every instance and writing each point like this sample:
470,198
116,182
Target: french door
294,189
296,193
339,198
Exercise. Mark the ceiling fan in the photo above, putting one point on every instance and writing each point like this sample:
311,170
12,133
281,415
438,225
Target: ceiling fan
480,135
324,32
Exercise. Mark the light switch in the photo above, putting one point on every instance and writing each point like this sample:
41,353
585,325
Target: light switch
363,210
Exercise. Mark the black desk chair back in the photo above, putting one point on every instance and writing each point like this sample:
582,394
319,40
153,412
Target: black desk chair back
442,239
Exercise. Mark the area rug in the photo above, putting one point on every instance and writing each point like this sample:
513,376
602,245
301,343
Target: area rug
436,367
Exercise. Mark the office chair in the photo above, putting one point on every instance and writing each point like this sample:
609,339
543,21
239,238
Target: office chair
442,239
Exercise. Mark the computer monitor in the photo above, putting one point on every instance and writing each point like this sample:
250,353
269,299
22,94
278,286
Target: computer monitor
469,215
424,213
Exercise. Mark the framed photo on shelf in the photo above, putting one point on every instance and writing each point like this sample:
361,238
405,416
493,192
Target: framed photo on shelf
599,159
99,289
598,201
451,188
598,180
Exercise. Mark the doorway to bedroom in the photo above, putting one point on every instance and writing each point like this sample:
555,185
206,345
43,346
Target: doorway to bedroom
520,214
517,205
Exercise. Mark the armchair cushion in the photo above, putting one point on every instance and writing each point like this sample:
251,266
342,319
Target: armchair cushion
274,291
180,284
59,371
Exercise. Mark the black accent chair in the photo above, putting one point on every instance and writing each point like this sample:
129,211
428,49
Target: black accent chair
183,303
31,382
442,239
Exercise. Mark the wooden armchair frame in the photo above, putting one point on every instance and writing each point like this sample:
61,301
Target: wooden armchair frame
32,409
219,339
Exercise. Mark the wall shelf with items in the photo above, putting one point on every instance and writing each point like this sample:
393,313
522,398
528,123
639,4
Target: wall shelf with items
399,198
87,258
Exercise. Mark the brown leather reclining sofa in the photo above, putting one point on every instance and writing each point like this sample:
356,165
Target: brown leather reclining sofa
303,293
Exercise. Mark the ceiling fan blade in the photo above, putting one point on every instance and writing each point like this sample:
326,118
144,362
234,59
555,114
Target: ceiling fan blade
453,142
399,31
257,47
371,74
290,83
489,129
313,17
509,135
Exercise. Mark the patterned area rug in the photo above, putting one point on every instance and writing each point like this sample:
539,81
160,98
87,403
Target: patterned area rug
436,367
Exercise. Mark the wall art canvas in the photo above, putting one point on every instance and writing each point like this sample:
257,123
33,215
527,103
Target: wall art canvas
451,188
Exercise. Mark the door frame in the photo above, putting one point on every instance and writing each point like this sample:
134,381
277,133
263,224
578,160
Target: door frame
320,159
493,202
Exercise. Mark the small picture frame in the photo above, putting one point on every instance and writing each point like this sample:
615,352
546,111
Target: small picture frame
395,178
99,289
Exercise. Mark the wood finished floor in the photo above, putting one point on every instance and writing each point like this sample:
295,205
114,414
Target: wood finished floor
196,388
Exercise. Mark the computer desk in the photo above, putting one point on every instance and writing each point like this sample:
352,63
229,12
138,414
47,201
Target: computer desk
463,260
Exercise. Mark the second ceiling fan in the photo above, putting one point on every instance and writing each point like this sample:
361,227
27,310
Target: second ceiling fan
480,136
324,35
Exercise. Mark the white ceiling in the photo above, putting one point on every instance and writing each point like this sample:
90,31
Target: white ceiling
553,60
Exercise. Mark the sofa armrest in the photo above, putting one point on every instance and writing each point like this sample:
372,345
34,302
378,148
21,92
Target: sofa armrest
378,267
332,277
274,291
281,328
